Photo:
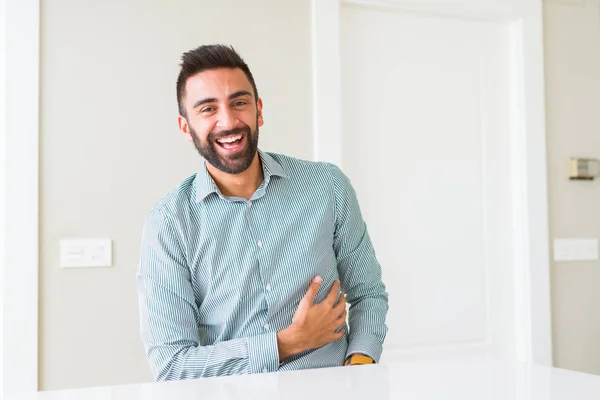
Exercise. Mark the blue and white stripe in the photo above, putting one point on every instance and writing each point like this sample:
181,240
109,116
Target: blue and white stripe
219,276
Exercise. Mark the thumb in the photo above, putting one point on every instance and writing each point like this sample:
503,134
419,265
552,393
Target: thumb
313,288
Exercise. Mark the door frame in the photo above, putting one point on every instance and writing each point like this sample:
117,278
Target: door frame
19,194
19,166
531,263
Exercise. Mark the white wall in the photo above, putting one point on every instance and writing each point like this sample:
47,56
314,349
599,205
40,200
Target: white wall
572,43
3,101
110,148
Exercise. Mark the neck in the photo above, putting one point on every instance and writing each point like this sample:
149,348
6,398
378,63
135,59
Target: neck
240,185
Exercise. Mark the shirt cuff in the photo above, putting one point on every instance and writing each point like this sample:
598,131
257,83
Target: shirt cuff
263,353
365,344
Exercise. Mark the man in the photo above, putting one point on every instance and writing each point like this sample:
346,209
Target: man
227,257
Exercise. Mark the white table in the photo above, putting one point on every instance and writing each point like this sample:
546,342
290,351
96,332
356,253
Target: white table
460,379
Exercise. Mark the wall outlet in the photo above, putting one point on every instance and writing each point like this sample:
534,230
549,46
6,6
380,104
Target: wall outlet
575,250
584,168
76,253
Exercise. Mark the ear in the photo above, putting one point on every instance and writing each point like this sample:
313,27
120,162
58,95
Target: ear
259,105
184,128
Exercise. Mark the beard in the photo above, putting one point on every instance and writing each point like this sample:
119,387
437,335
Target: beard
234,163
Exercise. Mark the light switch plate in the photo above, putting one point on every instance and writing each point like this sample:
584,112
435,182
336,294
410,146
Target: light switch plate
584,168
76,253
576,249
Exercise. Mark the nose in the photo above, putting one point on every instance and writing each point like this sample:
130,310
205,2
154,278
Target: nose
226,119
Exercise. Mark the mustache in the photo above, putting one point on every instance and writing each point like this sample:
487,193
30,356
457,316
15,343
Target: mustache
220,134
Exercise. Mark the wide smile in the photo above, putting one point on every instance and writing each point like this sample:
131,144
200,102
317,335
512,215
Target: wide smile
232,143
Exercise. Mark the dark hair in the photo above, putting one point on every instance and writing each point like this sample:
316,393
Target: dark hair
209,57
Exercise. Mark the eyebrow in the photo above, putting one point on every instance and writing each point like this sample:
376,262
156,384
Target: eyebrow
237,94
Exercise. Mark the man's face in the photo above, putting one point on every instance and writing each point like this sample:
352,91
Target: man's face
223,118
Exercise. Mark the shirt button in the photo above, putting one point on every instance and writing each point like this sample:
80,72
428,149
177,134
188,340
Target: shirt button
259,244
267,326
268,287
265,370
249,204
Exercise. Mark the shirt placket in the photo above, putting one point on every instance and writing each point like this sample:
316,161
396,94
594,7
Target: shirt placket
258,244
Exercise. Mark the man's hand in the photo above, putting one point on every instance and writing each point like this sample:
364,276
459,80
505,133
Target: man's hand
313,325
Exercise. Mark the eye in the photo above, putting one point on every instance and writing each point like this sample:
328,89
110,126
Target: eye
239,103
207,110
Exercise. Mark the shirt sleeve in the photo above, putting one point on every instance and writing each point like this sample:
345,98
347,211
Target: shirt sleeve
169,316
360,272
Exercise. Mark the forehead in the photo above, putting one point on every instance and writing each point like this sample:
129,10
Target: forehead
216,83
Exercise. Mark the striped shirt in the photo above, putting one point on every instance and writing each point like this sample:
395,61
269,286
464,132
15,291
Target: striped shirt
219,276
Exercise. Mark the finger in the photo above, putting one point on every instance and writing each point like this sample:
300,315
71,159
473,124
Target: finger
339,335
334,292
342,316
313,288
334,335
339,321
341,305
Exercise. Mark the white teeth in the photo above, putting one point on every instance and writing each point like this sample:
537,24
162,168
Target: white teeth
230,139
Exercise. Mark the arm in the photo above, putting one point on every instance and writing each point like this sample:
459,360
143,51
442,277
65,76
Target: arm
360,273
169,316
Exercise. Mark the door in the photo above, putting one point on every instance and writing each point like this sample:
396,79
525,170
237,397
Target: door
430,127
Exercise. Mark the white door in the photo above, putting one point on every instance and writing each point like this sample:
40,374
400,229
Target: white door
431,118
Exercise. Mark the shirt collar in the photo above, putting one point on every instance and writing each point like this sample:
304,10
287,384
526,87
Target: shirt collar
205,184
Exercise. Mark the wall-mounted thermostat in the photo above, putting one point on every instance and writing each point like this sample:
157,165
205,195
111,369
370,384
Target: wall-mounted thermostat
584,168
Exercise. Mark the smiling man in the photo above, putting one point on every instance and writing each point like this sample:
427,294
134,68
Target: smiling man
247,266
